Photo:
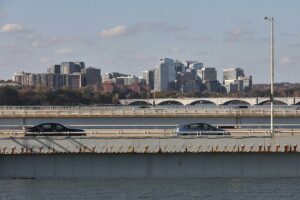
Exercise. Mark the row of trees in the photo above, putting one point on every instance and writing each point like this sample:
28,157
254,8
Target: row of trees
37,96
29,96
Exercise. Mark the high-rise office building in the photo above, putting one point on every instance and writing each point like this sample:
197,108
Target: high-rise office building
160,79
148,75
71,67
247,83
54,69
67,67
74,81
92,76
18,77
207,74
231,86
234,86
32,79
235,80
56,81
164,75
43,80
179,66
80,65
195,65
23,78
46,80
232,74
213,86
186,82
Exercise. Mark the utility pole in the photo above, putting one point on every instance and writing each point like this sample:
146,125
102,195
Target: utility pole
271,19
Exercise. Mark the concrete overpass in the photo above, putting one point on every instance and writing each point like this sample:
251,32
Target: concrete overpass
97,157
215,101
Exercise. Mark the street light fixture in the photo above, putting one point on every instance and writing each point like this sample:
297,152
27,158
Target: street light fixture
271,19
154,97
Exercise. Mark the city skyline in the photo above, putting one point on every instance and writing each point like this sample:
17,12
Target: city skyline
131,36
169,75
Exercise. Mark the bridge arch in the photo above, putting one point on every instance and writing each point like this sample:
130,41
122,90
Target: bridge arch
170,102
276,102
296,101
139,103
236,101
197,102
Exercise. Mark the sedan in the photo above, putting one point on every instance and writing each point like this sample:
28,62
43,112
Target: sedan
200,129
53,129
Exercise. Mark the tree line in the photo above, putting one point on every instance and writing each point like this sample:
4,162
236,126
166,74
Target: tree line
63,97
28,96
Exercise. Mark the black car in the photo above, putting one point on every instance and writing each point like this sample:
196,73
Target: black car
53,129
242,107
200,129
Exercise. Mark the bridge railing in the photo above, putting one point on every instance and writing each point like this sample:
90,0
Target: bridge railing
167,107
12,112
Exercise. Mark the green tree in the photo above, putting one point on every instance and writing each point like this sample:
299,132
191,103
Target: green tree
29,97
133,95
9,96
99,98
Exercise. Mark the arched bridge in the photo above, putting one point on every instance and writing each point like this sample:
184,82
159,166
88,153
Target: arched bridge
215,101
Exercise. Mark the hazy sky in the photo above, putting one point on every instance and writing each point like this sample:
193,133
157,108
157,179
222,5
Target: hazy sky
132,35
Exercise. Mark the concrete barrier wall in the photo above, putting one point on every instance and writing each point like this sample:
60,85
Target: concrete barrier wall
150,165
84,157
216,144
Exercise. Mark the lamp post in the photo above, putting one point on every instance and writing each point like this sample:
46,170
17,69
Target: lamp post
271,19
154,96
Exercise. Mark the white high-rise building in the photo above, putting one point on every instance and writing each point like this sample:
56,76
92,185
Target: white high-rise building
164,74
235,80
232,74
148,75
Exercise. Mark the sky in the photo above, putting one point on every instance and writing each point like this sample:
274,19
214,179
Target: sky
130,36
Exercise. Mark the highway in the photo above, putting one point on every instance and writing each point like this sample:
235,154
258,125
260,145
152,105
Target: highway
159,117
160,121
141,142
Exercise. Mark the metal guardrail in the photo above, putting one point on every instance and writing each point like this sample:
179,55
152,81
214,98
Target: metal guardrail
159,126
234,133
